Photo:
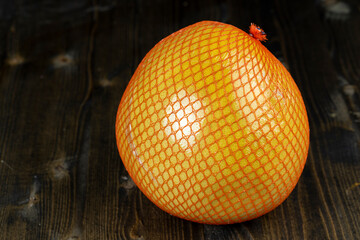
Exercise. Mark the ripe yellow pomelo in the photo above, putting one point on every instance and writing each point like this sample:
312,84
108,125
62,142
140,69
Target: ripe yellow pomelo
212,128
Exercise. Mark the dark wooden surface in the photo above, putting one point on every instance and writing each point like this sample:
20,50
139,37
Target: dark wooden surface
63,68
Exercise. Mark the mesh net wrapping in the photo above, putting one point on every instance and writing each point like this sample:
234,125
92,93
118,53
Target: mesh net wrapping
212,128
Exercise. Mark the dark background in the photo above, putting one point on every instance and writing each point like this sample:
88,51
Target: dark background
64,66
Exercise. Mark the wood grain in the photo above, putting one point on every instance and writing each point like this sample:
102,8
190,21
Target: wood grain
63,69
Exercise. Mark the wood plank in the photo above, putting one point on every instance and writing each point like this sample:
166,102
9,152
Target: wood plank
63,69
43,85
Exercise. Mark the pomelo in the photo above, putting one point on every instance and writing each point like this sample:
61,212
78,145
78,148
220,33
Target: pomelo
212,128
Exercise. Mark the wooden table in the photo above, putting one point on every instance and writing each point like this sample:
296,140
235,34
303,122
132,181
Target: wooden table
64,67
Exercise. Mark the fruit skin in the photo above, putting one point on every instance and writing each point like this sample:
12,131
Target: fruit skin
212,128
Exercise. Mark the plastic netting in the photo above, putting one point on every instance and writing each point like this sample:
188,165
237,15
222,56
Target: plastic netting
212,128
